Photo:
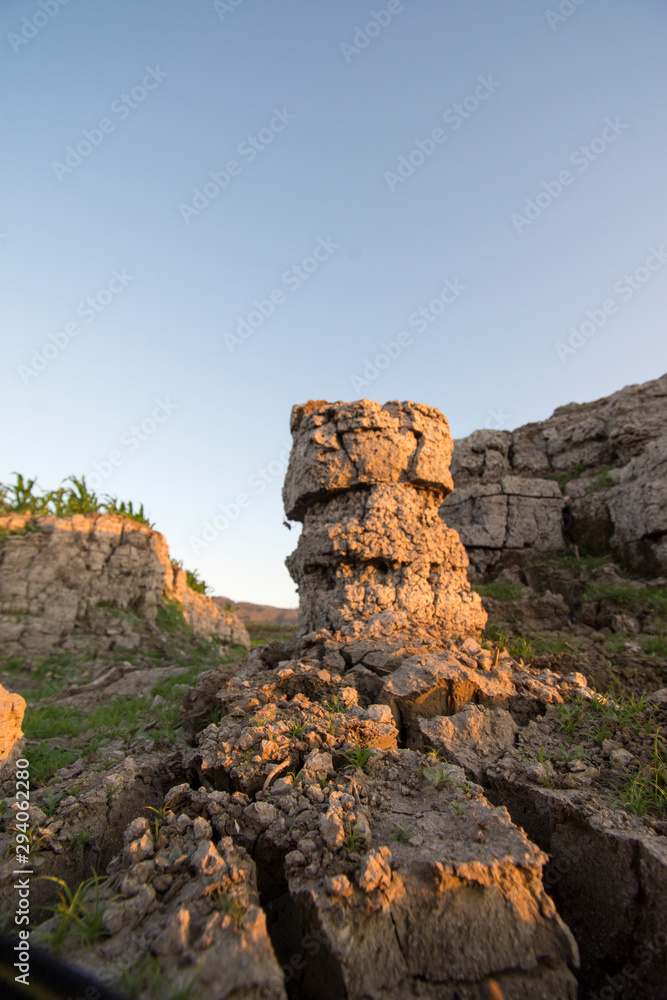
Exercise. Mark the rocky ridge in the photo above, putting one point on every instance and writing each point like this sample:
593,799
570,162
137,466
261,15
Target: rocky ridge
593,474
54,571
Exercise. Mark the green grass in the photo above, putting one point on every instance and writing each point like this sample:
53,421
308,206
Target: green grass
602,480
24,497
644,790
359,757
79,911
261,632
500,590
643,600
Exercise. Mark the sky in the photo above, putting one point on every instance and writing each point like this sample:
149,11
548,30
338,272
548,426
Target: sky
213,210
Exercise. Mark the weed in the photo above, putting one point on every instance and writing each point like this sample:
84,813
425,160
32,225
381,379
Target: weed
646,791
336,706
353,839
437,777
50,801
229,905
81,840
500,590
359,757
159,821
77,911
602,481
297,729
457,807
401,832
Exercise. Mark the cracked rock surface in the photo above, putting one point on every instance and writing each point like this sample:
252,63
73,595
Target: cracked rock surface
367,481
54,570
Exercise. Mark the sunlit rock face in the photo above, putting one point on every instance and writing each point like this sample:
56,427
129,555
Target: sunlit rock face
367,481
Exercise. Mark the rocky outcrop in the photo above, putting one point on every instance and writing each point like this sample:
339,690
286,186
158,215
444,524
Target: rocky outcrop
593,474
367,481
53,571
12,709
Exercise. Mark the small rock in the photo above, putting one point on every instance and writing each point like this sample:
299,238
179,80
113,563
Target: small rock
380,713
537,773
338,885
202,829
206,860
332,829
294,859
174,938
317,763
375,871
136,829
621,757
261,814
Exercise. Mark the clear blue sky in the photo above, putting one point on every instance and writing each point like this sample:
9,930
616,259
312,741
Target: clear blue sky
305,111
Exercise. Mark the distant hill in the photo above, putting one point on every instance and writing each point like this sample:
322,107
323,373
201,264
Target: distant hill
264,613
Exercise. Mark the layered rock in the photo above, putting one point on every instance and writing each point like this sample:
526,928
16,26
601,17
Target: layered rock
12,709
53,571
367,481
610,457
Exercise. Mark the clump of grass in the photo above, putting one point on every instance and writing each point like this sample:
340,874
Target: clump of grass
646,791
642,600
359,757
500,590
336,705
296,729
602,480
24,497
80,910
353,839
225,903
402,832
192,578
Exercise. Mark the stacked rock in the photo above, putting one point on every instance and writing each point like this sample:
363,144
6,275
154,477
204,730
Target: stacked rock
367,481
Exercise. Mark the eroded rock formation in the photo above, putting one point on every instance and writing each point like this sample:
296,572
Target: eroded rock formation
610,459
367,481
53,571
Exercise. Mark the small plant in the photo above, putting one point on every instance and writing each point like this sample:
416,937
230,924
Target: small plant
353,839
81,840
457,807
359,757
77,911
159,820
336,705
297,729
225,903
50,801
402,832
437,777
500,590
